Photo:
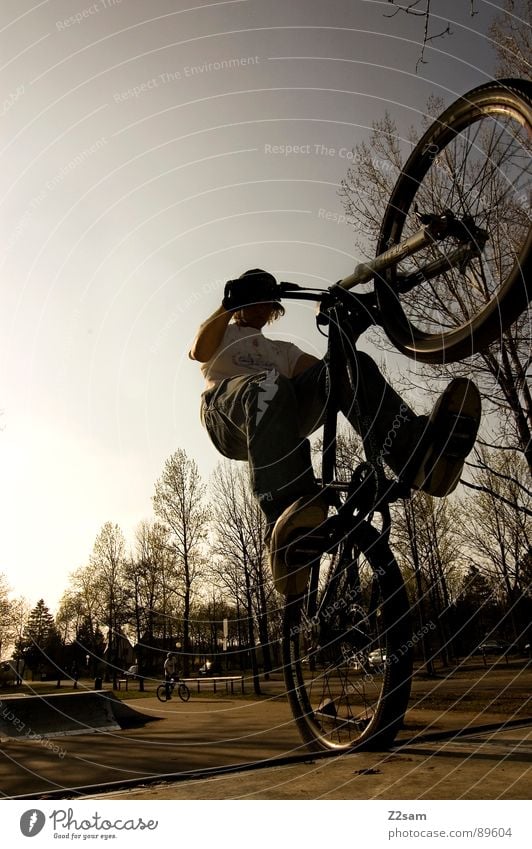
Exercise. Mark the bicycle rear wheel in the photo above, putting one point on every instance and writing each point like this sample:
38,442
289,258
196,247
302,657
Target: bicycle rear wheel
162,694
347,650
183,692
475,161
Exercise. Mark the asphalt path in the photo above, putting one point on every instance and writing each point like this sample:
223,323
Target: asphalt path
492,764
237,747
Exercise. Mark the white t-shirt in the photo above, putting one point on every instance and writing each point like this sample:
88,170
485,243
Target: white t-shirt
170,666
244,350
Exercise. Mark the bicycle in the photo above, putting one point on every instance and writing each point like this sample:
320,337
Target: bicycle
447,281
166,689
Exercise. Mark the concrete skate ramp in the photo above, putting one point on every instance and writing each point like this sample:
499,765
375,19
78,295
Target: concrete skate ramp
31,717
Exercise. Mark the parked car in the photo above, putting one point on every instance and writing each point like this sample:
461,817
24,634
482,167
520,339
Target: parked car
493,647
8,674
210,667
355,662
377,658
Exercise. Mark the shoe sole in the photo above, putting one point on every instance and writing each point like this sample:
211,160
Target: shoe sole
454,422
295,544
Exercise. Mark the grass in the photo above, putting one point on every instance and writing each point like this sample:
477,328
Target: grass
45,688
507,703
501,688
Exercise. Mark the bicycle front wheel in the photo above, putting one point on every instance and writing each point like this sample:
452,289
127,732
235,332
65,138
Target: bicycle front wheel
183,692
456,296
347,650
162,693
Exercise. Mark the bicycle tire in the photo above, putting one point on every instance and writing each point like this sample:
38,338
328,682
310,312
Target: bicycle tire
364,713
474,160
162,693
183,692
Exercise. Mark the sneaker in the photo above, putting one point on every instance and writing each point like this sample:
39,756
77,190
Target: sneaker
448,438
294,543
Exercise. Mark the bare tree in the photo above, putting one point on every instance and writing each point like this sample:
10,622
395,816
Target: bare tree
423,9
510,31
426,537
70,615
497,521
207,626
512,36
81,609
13,615
152,581
107,562
180,502
80,615
239,527
5,630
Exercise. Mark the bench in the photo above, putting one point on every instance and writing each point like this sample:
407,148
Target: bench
214,680
121,681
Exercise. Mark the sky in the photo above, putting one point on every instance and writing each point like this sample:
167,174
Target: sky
150,152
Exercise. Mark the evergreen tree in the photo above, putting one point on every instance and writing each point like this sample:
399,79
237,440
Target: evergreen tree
40,643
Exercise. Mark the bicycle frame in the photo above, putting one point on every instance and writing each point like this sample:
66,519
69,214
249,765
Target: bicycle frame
435,228
341,309
347,316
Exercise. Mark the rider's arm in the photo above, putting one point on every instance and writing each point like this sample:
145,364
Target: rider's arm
209,336
304,362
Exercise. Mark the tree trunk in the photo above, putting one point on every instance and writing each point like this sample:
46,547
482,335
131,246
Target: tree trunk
186,633
264,635
411,530
251,633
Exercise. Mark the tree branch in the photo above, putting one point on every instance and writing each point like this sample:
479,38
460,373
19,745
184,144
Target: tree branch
412,9
484,467
498,447
495,495
420,13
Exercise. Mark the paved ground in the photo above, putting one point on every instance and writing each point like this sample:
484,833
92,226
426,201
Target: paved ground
489,764
230,732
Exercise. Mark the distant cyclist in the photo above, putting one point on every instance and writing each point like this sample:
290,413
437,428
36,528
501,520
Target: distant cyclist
171,672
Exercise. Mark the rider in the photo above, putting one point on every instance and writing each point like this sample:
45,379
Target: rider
171,671
263,398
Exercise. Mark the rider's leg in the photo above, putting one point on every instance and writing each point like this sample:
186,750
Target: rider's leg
255,418
427,452
265,419
371,406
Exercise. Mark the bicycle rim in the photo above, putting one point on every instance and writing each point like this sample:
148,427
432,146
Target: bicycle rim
475,161
183,692
339,698
161,693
